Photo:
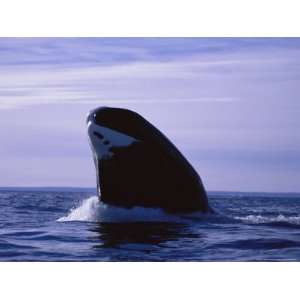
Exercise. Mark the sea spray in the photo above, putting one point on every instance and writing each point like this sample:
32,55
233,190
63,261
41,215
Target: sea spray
86,211
93,210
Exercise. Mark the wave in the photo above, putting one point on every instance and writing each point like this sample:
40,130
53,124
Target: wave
259,219
86,211
93,210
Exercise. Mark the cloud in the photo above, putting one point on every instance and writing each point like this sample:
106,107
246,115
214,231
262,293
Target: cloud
79,70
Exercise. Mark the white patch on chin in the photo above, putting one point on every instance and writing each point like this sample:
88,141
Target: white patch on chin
111,138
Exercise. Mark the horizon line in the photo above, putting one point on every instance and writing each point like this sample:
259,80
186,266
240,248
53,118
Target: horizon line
3,188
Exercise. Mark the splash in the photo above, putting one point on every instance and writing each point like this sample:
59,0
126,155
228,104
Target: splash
258,219
93,210
86,211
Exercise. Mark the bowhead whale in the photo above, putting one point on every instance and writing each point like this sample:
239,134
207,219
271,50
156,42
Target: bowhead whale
136,165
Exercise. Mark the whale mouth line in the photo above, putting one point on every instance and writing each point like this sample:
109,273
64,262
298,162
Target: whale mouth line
99,135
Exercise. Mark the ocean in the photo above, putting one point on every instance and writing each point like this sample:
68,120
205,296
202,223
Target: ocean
72,225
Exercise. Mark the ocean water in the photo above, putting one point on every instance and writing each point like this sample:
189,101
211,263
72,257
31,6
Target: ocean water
75,226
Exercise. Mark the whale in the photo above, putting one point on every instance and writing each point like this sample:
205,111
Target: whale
137,165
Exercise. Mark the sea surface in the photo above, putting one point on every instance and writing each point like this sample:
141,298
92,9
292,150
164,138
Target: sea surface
68,225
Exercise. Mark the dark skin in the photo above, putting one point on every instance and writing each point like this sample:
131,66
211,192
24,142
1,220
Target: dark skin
126,184
150,172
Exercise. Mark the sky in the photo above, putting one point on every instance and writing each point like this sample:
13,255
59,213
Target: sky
231,106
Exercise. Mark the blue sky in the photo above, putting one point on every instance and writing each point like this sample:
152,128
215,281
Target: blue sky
230,105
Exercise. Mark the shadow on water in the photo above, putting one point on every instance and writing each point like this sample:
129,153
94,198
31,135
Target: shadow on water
150,233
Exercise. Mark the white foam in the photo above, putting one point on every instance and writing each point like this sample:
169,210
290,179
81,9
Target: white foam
86,211
93,210
258,219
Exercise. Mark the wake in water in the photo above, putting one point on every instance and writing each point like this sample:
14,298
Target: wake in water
93,210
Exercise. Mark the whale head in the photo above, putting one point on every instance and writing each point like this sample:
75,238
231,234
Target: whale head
136,165
109,128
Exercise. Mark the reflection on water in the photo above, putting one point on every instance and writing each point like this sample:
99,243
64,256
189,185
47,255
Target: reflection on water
153,233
